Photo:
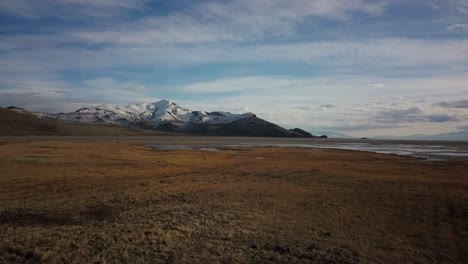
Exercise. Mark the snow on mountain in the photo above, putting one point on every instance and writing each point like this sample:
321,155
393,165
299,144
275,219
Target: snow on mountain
168,116
151,113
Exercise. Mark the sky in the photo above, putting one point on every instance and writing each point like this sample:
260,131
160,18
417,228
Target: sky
358,67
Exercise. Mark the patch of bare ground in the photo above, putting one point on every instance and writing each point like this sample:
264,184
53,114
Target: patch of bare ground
67,202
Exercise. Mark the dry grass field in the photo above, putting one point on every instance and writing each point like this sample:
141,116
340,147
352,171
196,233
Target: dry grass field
91,202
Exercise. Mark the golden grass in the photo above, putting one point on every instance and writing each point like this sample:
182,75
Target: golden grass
107,202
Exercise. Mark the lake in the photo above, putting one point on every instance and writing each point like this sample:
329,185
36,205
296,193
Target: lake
434,150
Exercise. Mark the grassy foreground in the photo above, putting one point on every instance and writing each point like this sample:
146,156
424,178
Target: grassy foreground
70,202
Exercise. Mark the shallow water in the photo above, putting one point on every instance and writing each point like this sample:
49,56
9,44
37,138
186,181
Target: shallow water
424,151
195,147
436,151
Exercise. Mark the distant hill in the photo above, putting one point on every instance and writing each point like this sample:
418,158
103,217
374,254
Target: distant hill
331,134
16,121
169,117
251,126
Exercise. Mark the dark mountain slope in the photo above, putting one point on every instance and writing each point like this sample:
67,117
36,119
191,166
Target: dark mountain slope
19,123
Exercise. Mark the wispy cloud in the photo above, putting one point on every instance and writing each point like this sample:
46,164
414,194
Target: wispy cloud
346,64
463,10
228,21
57,96
69,9
458,27
433,6
326,106
251,83
37,102
410,115
376,85
352,55
454,104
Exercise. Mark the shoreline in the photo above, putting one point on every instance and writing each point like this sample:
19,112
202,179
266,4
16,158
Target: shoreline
430,150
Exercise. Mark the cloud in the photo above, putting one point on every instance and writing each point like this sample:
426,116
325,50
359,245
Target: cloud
138,89
458,27
316,90
110,90
43,86
356,56
326,106
357,108
348,57
262,11
433,6
348,101
62,96
231,21
441,118
463,10
376,85
411,115
250,83
462,2
322,107
69,9
157,31
39,102
454,104
399,115
364,127
303,108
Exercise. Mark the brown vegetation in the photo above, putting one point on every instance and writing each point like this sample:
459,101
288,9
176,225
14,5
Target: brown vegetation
14,123
108,202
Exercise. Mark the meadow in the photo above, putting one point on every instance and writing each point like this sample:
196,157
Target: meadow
64,201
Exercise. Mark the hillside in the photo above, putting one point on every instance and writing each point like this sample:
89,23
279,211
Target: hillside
167,116
16,123
251,126
19,122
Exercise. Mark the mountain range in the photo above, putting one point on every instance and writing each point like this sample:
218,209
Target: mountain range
167,116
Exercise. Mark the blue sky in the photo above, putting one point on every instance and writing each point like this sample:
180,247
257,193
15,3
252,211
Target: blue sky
359,67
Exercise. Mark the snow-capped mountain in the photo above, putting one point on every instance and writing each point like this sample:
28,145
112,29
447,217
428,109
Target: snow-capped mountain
168,116
150,113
